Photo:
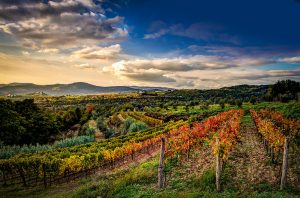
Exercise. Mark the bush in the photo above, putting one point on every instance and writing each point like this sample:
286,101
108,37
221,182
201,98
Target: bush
10,151
128,122
253,100
137,126
238,102
90,132
222,104
102,126
73,141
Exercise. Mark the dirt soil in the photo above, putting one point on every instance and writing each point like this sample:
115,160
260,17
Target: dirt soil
250,164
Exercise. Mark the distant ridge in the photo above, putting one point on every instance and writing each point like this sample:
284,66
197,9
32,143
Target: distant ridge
77,88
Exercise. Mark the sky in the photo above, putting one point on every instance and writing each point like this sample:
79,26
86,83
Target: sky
170,43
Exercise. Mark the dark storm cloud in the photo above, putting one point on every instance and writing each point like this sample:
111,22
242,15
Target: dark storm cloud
20,10
189,63
149,77
59,22
258,75
272,74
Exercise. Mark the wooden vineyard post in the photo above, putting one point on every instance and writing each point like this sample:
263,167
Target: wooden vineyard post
44,175
21,172
161,164
4,178
284,164
218,168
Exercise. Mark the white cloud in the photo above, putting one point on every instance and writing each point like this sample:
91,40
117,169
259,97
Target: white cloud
85,66
26,53
185,63
198,71
49,50
290,59
109,52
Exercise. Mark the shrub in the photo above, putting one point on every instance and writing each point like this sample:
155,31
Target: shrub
137,126
128,122
73,141
238,102
90,132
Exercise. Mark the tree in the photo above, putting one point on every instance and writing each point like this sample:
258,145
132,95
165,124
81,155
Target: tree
23,122
252,100
11,127
231,101
238,102
205,105
187,108
285,90
222,104
176,108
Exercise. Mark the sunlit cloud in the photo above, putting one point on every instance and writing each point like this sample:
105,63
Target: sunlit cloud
25,53
87,40
60,23
85,66
198,70
98,52
290,59
49,50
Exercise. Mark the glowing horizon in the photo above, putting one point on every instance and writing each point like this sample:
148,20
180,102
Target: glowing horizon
188,44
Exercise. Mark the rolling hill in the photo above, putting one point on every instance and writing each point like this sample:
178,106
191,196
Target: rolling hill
78,88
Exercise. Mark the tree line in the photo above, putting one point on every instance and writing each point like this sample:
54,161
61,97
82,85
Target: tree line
23,122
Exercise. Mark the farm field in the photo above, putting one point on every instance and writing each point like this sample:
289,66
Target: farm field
149,99
248,172
130,147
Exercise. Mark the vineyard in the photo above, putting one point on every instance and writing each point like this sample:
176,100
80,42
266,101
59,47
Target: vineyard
60,163
178,141
277,134
149,99
142,117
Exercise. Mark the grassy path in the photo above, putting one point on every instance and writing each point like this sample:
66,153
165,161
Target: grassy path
250,167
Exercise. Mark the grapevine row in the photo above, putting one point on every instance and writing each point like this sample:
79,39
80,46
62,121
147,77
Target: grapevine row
224,127
268,130
220,131
277,132
83,157
148,120
289,127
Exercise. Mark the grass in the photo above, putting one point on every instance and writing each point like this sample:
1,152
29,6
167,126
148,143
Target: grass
290,110
132,183
247,119
141,180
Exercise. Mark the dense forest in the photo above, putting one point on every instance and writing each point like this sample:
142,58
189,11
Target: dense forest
23,122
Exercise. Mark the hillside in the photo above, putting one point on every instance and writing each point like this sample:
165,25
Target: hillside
81,88
239,91
248,171
78,88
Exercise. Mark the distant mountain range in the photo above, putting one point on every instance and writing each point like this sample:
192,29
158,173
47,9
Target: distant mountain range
78,88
